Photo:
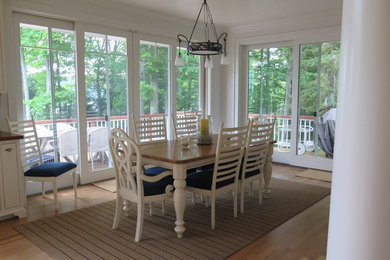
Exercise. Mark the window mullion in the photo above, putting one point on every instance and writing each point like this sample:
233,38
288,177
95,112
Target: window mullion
52,89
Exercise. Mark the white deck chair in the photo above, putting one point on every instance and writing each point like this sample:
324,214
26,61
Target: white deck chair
67,145
98,143
34,169
132,182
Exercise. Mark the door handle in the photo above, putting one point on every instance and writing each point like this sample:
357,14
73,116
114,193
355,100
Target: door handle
8,149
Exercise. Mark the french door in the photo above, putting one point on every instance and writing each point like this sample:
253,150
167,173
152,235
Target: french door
48,86
103,96
296,85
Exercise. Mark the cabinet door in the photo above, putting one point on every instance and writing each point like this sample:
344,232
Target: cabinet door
9,164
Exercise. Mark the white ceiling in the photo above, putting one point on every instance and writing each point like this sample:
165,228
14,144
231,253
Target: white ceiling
239,12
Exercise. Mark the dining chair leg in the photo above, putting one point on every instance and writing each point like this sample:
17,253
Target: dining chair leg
150,209
43,189
25,192
242,197
54,184
235,201
118,208
140,221
207,201
74,175
260,190
126,207
212,212
193,198
163,207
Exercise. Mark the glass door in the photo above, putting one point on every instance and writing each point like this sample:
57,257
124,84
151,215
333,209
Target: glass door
318,81
304,109
106,100
270,90
49,89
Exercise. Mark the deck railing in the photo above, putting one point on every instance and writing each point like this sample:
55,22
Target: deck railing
282,133
283,123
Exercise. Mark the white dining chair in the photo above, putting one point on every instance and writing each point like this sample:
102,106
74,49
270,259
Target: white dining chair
34,167
223,177
185,124
132,183
149,129
256,149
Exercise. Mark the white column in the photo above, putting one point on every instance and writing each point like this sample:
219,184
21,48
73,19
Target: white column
359,226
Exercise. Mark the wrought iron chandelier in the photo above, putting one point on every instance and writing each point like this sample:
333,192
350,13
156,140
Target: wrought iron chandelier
207,47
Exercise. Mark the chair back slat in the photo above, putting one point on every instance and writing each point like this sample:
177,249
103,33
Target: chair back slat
259,136
29,146
230,149
127,160
150,129
185,125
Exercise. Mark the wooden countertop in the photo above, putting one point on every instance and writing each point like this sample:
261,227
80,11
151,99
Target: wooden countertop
5,136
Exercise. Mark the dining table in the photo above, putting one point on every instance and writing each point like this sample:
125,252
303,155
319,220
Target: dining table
173,155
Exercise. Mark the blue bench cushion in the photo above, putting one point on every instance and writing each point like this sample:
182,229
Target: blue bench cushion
203,180
156,188
52,169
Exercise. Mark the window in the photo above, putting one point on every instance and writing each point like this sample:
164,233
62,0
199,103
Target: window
154,77
49,86
188,83
318,80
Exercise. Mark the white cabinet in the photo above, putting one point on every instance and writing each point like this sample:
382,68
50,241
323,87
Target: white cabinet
12,195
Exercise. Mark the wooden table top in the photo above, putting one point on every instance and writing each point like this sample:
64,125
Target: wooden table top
173,152
5,136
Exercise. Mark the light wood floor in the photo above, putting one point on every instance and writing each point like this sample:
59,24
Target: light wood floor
302,237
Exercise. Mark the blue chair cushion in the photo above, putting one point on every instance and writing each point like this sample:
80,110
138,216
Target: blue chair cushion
206,167
250,174
203,180
156,188
153,171
52,169
157,170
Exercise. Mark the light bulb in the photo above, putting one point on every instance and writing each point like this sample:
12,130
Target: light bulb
225,59
179,60
209,63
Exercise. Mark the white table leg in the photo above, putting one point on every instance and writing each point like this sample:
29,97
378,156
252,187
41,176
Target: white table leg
268,171
179,197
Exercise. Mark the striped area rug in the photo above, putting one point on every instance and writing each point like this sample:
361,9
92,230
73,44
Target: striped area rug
87,233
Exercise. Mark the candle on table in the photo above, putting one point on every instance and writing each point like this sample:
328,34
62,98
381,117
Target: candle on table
204,127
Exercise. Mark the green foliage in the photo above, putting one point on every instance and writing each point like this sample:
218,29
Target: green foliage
270,71
313,100
188,83
154,77
270,79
